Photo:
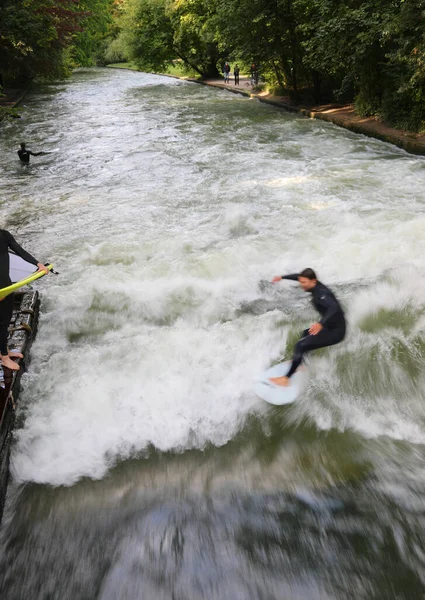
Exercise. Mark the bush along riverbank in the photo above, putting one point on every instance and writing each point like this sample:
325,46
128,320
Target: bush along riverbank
10,98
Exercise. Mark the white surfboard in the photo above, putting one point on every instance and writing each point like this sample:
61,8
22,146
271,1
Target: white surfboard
19,268
276,394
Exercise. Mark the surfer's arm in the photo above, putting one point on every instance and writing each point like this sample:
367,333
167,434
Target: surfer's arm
292,277
17,249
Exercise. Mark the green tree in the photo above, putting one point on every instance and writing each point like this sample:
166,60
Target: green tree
34,35
89,44
155,32
368,51
373,49
40,37
146,35
270,37
403,97
196,39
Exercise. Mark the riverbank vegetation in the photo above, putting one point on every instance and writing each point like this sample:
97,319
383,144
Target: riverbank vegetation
370,52
46,39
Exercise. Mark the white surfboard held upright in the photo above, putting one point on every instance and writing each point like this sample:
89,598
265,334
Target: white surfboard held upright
21,273
277,394
19,268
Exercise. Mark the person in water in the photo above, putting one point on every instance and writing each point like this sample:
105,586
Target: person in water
328,331
6,304
24,154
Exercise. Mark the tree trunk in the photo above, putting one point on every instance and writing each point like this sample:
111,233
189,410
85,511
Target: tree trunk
188,62
317,87
278,75
295,93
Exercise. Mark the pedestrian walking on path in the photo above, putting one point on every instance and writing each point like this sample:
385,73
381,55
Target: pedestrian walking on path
226,73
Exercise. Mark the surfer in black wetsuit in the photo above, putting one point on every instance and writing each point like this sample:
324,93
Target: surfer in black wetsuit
7,241
328,331
24,154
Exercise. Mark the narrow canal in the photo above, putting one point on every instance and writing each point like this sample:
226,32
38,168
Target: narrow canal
143,464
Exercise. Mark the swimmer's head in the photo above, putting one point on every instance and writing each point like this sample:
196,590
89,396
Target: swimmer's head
22,146
307,279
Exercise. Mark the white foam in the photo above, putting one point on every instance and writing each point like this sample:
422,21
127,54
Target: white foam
161,233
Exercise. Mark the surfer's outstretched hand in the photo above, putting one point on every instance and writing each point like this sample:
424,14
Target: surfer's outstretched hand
42,267
277,278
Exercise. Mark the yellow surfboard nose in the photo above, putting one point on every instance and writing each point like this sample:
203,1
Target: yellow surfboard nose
15,286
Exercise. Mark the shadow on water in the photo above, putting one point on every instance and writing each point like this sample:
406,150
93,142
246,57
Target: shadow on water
241,521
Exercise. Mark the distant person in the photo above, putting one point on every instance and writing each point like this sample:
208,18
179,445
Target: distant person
226,73
330,330
236,74
6,304
24,154
254,74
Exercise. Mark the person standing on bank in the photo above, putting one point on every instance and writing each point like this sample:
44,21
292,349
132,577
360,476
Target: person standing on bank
226,73
7,241
236,74
331,328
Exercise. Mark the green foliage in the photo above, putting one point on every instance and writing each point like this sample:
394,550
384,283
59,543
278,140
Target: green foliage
147,34
47,38
7,112
152,33
33,37
375,49
371,52
270,37
403,98
195,36
89,44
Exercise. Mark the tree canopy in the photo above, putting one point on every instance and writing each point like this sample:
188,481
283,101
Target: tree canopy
46,38
371,52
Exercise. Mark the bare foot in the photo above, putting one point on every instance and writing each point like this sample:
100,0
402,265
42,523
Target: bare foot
282,381
15,354
7,362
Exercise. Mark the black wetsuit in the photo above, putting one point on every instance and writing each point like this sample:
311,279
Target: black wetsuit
333,321
6,306
25,154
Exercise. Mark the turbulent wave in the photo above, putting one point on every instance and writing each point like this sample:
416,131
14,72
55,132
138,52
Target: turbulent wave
165,220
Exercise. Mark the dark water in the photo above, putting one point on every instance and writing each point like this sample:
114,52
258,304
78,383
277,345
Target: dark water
144,467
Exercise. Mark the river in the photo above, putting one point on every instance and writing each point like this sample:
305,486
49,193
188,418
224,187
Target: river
144,467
